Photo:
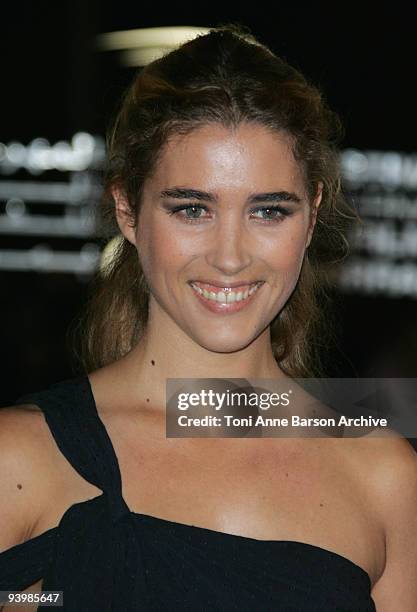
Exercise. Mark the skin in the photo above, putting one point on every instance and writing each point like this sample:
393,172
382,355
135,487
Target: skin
355,497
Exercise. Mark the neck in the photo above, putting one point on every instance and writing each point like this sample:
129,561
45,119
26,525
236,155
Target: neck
165,351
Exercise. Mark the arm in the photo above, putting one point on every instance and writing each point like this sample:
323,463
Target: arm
23,476
22,473
396,493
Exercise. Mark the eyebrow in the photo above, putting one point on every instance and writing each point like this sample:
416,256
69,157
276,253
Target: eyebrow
255,198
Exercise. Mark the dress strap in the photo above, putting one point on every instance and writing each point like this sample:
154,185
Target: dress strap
71,414
25,563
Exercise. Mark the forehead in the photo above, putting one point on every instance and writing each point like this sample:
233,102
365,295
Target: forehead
222,158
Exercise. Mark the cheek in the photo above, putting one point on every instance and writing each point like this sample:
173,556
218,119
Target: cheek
286,251
284,257
163,251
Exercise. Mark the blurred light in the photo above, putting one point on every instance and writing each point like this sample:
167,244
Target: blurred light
41,256
48,225
389,169
354,164
90,252
80,189
83,152
385,239
15,208
144,45
16,153
382,205
379,277
43,259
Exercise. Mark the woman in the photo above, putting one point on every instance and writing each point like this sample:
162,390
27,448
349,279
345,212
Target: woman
222,178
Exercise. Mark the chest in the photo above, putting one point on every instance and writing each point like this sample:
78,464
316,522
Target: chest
266,489
219,478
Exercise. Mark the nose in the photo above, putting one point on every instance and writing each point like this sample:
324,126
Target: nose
229,250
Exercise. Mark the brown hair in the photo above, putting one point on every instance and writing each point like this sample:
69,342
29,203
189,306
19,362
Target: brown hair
227,77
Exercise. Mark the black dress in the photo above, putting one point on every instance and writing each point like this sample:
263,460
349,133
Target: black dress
105,557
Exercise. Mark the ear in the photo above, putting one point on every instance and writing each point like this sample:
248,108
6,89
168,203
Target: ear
313,212
123,215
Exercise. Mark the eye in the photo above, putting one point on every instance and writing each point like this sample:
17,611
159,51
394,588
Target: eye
192,208
193,213
275,213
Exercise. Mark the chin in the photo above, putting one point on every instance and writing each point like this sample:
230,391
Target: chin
224,345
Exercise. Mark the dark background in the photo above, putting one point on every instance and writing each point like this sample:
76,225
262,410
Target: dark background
55,83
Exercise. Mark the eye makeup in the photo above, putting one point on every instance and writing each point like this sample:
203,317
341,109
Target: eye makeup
278,212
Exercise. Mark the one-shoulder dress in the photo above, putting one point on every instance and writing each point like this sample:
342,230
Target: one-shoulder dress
105,557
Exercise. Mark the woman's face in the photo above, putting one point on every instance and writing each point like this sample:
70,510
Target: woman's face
224,212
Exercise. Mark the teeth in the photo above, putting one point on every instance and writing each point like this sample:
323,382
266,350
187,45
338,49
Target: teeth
224,298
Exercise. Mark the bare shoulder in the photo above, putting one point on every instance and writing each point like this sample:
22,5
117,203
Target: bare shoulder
25,471
386,462
390,459
389,465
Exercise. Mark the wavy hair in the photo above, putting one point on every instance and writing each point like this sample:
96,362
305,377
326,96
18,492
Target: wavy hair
225,76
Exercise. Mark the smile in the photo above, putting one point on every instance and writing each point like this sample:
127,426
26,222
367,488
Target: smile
225,299
216,295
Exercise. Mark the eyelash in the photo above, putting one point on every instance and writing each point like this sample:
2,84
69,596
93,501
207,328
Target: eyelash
284,212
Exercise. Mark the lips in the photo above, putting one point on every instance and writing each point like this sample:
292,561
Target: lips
225,303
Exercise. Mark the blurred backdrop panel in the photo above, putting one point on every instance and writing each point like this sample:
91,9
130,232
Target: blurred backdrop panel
64,68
